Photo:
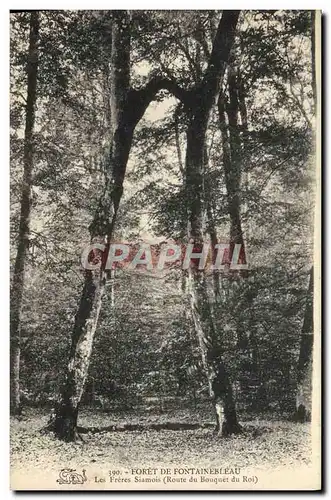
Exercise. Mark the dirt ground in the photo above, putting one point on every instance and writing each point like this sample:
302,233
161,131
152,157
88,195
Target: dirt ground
268,445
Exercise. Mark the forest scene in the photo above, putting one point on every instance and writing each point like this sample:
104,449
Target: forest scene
160,128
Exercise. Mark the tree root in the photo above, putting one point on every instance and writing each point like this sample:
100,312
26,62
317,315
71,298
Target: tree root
229,429
171,426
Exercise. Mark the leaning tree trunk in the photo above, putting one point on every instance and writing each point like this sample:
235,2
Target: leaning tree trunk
127,108
17,288
198,108
102,227
304,390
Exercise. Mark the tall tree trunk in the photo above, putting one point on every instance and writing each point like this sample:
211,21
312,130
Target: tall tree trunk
210,341
304,391
305,362
198,111
232,154
234,135
127,108
24,223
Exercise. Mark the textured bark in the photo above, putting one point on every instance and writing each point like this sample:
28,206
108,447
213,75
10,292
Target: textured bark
303,400
198,109
65,422
231,143
210,343
127,108
17,288
313,58
234,129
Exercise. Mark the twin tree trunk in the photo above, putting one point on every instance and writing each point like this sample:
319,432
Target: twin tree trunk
17,288
198,107
127,108
305,364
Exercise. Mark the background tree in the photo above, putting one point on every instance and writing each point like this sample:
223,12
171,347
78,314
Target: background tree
17,288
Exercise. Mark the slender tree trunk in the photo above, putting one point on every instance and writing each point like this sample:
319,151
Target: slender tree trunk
233,142
220,387
304,391
313,59
232,161
305,367
24,223
127,108
211,227
214,242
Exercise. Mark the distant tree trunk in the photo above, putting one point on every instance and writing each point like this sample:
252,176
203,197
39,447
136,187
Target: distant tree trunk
304,391
198,108
232,156
233,126
313,58
17,288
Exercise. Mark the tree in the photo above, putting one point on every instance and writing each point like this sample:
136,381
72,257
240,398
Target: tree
17,288
198,104
304,380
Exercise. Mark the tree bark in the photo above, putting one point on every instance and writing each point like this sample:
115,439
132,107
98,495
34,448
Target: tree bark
231,144
17,288
127,108
198,110
305,362
234,136
304,391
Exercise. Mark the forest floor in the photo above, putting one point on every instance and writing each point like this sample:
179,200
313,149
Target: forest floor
265,444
